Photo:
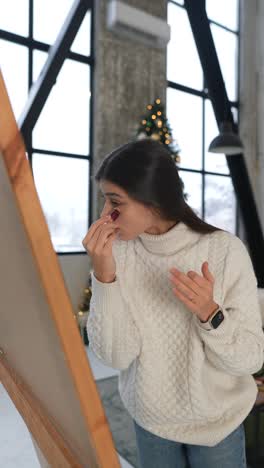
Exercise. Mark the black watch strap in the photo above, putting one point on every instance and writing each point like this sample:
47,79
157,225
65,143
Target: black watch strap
214,321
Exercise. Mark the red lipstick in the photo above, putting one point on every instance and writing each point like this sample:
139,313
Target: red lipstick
114,215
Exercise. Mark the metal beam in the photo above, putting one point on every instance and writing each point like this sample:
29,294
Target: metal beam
39,92
217,92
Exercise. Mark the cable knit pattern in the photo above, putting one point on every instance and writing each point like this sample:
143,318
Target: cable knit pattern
179,380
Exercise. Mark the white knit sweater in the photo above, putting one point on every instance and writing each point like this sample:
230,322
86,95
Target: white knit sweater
178,380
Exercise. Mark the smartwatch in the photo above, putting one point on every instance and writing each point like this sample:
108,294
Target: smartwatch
215,320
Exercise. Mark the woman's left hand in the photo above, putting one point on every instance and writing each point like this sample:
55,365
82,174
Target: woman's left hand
195,291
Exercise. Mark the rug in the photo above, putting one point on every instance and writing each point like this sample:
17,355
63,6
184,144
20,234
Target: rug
119,420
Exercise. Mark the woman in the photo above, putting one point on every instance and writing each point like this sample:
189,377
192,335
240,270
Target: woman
175,309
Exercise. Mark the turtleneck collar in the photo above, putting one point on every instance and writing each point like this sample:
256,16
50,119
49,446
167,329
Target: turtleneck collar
169,242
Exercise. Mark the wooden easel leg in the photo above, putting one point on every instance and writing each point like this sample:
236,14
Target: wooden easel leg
42,460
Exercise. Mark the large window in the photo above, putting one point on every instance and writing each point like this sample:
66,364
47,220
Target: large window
61,139
205,175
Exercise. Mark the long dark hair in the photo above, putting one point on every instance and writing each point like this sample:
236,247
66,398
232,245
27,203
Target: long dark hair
145,170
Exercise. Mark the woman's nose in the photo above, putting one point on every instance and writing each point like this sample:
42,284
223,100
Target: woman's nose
105,211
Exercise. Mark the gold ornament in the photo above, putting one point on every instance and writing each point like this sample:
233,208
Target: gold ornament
159,113
154,116
157,101
149,107
155,136
167,142
159,123
144,122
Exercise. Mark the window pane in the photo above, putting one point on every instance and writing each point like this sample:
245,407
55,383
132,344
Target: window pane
224,12
59,10
62,185
14,16
226,44
183,64
14,64
64,123
44,12
214,162
193,190
184,112
220,203
235,114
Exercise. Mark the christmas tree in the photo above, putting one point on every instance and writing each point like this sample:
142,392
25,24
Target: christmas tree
154,124
84,306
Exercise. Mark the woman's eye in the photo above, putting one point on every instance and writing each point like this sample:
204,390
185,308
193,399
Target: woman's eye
111,201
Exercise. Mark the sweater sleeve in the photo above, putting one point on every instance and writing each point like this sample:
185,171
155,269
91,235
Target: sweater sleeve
113,335
237,345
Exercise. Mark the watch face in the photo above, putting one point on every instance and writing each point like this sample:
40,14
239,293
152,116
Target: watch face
218,318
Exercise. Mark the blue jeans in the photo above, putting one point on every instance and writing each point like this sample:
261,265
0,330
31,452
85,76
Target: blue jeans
156,452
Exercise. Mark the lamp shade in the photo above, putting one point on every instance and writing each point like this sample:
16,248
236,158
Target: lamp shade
227,141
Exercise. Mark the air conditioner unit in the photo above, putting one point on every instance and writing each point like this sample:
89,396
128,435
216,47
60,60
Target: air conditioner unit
136,24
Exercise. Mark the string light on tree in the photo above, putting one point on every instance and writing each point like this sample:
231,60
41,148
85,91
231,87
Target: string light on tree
155,125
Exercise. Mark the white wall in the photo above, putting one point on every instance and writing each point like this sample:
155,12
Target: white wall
75,270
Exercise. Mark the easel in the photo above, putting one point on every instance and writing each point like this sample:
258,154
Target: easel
43,364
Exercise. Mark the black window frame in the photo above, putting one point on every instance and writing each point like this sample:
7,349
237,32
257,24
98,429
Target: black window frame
203,94
33,44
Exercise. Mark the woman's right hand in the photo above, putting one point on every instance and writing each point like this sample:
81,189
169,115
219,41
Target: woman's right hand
98,244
